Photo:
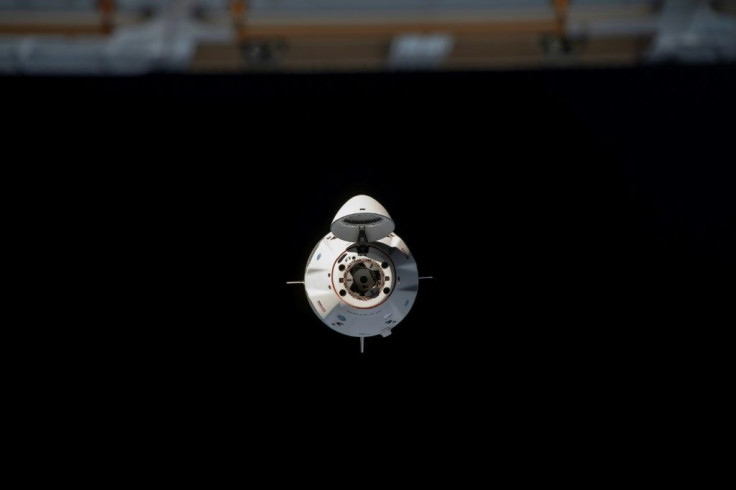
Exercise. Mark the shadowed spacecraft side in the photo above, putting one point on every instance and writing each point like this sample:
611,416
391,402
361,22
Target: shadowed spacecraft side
361,280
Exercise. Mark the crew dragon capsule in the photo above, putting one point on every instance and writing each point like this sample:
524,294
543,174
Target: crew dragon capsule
361,280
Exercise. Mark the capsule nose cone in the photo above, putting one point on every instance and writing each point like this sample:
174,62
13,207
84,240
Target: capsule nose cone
362,212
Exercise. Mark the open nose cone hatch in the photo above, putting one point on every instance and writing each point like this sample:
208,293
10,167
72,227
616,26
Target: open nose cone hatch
362,212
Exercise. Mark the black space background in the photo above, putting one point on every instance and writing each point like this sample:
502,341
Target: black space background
577,223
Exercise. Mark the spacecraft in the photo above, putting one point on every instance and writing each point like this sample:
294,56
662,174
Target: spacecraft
361,280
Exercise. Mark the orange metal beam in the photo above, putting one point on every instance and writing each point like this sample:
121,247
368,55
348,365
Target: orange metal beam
52,29
271,31
238,11
107,12
88,25
561,9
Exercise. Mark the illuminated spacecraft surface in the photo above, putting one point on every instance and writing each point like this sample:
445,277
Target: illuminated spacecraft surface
361,280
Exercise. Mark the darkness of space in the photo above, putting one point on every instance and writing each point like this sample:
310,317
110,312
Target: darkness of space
577,222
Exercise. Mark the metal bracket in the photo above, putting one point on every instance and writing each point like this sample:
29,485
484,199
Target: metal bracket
362,241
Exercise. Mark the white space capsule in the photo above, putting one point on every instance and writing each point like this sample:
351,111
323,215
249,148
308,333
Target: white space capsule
361,280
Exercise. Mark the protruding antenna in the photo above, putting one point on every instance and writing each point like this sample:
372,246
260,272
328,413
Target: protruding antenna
426,277
294,282
361,344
